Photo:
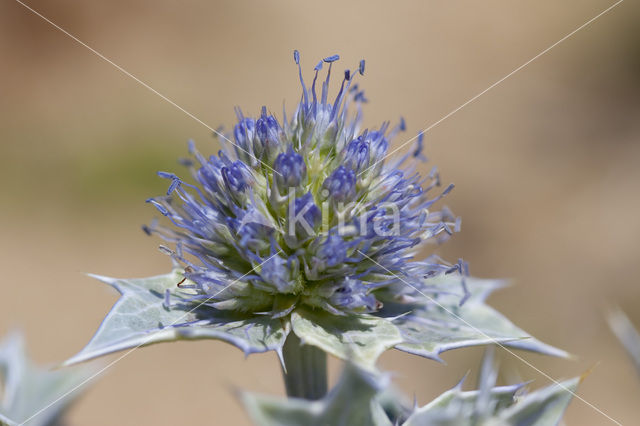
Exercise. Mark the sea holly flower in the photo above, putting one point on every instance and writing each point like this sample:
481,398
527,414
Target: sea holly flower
365,397
301,236
34,395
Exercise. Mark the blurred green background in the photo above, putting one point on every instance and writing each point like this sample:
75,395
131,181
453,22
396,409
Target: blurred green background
545,167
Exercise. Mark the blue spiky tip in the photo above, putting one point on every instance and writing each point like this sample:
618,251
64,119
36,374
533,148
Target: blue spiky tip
307,210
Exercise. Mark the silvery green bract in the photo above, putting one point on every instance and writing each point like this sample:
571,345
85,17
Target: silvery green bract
364,397
496,406
5,421
305,226
544,407
34,396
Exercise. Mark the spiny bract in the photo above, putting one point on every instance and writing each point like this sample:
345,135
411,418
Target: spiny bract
305,211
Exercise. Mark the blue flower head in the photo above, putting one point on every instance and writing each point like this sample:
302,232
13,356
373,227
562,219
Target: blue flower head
304,227
309,208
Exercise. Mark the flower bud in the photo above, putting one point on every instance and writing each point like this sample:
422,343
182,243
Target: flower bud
267,134
244,131
234,177
303,218
357,154
340,186
289,170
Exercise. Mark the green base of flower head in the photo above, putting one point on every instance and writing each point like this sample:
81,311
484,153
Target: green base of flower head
152,310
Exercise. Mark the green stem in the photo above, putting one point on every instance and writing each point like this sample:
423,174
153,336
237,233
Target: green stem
306,369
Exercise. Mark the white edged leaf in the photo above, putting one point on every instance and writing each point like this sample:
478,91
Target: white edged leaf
359,338
33,395
460,408
440,324
140,317
544,407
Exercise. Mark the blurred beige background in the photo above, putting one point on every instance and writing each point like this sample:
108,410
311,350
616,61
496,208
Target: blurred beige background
545,167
